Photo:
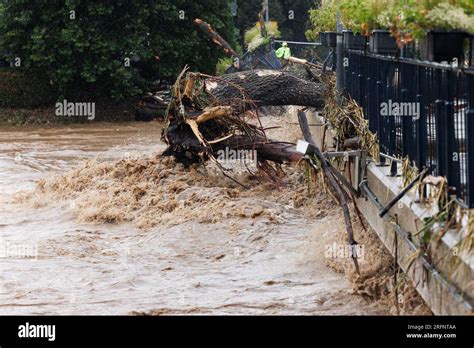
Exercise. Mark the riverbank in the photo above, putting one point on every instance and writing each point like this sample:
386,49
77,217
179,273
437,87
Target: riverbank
46,115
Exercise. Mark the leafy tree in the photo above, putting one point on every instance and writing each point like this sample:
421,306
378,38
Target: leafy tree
183,43
82,47
247,14
291,24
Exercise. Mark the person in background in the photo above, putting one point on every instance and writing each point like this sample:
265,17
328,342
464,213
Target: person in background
284,51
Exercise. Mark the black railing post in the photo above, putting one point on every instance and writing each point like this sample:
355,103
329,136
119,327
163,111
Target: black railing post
347,75
360,81
339,60
469,140
421,139
346,70
381,119
452,153
372,108
391,130
427,127
405,119
409,139
441,137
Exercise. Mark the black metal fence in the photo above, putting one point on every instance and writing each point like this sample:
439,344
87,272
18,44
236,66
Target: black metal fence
418,109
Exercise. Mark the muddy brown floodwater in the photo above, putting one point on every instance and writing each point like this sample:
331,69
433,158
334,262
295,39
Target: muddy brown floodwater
92,221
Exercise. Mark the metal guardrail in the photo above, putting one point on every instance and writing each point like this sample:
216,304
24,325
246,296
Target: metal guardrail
299,43
418,109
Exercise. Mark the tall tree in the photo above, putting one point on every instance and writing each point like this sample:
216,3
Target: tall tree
247,14
178,41
292,16
88,49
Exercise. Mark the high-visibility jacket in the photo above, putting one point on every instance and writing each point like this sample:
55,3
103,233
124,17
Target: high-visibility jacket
283,52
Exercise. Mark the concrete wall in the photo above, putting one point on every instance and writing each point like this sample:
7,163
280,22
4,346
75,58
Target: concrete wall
446,283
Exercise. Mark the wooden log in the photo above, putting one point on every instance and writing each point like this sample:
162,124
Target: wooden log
196,132
213,112
266,87
184,145
267,150
215,37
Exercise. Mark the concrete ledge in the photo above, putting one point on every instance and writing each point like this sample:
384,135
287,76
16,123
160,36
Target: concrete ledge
446,283
443,295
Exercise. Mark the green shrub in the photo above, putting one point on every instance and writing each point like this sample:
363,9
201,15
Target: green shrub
322,19
80,47
253,38
411,18
223,64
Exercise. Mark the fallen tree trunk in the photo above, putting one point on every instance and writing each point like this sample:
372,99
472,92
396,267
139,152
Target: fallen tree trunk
207,113
274,151
187,148
267,87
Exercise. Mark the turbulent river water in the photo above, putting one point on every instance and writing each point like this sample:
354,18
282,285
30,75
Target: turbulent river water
170,240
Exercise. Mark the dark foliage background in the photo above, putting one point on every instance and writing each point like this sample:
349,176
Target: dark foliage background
83,58
291,29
